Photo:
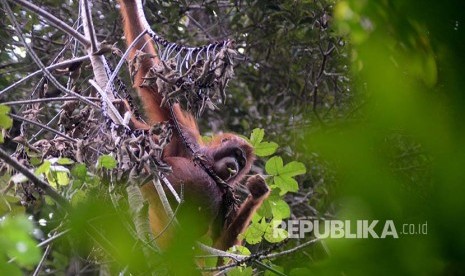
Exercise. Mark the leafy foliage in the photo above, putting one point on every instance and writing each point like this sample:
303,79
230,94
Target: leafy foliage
16,244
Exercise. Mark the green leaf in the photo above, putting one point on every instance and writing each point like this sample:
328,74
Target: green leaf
257,136
44,168
286,184
65,161
274,233
265,149
35,161
292,169
274,165
58,176
79,171
5,121
255,232
274,267
239,249
16,242
282,175
62,178
51,179
261,148
300,271
10,205
265,209
107,162
280,209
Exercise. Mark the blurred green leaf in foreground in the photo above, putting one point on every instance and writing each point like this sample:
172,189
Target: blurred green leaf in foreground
404,160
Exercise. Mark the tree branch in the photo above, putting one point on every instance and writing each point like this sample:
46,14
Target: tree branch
46,100
19,118
36,59
49,68
98,65
54,21
60,200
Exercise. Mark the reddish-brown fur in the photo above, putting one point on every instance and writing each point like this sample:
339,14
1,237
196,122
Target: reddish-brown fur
203,197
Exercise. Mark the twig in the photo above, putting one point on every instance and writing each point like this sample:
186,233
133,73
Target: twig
36,59
49,68
53,20
47,125
172,219
19,118
198,25
220,253
34,179
52,238
114,114
292,250
260,256
167,183
42,260
163,198
123,58
45,100
90,27
98,65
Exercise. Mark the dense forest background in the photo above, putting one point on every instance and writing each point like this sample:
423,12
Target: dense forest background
365,95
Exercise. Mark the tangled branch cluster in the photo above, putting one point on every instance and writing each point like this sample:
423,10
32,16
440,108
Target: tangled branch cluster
193,81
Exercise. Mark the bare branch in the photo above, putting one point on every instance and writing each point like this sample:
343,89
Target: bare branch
36,59
19,118
49,68
99,65
46,100
90,27
53,20
292,250
122,60
163,199
42,260
52,238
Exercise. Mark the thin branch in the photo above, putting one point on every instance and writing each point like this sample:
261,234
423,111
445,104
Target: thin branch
53,20
172,219
46,100
36,59
90,27
42,260
114,114
163,199
198,25
171,188
52,238
220,253
260,256
47,125
122,60
19,118
292,250
49,68
60,200
99,65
